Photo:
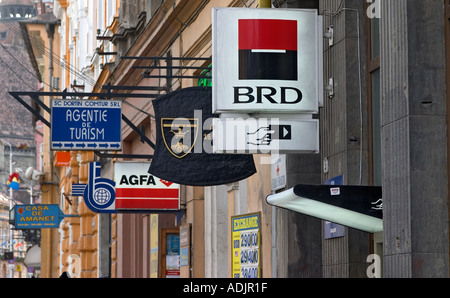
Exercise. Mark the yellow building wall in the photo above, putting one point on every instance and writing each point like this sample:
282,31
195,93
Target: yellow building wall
49,237
77,246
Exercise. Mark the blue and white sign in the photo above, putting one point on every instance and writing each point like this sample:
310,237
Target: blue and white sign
100,193
86,125
38,216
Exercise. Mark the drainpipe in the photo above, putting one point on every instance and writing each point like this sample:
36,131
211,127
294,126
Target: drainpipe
268,4
50,28
48,258
265,3
11,206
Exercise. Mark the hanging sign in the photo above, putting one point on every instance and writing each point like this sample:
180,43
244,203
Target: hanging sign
99,194
62,159
86,125
38,216
265,135
267,60
331,229
136,189
184,153
278,172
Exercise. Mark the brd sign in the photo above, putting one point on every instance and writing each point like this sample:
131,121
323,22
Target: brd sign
267,60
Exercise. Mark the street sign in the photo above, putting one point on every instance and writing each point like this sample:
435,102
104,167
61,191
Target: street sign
38,216
267,60
265,135
136,189
86,125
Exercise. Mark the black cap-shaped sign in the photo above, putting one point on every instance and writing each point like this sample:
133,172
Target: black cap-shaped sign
183,152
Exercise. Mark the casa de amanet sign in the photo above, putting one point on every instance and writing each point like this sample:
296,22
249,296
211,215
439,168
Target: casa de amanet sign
38,216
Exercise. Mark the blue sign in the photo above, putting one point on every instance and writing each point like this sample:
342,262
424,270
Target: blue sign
86,125
38,216
100,193
184,256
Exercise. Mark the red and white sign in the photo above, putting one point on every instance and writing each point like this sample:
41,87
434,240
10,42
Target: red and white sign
136,189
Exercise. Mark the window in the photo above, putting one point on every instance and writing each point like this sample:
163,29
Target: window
3,35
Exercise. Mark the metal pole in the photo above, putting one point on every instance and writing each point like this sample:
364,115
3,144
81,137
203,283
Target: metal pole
11,196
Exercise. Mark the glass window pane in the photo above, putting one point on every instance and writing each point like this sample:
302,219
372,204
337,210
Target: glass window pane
375,37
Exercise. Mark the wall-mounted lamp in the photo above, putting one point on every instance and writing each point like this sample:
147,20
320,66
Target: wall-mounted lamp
358,207
32,174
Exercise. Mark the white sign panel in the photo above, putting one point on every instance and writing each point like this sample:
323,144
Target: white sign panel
267,60
262,135
278,172
136,189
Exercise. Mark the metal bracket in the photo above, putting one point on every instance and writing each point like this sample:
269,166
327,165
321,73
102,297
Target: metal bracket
109,94
169,67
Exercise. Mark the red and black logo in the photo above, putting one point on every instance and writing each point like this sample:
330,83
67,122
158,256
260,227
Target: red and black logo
268,49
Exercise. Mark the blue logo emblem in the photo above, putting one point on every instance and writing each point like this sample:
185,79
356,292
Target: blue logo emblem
99,194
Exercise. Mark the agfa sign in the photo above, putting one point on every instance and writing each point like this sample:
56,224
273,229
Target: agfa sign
137,189
133,188
267,60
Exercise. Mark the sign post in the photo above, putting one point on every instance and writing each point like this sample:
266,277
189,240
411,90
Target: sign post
86,125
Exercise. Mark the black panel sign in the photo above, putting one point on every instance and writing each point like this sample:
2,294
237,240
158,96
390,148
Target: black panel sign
183,152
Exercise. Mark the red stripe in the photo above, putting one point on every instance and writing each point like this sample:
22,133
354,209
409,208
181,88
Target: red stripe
260,34
147,193
149,204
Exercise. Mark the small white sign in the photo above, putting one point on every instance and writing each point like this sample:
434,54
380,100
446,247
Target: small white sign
278,172
335,191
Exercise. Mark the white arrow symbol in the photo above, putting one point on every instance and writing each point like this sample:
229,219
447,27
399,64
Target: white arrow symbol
285,132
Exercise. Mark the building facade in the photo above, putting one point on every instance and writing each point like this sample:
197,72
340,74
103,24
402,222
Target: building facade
383,123
17,136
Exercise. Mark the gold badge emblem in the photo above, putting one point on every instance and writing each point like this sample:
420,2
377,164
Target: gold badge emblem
180,135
